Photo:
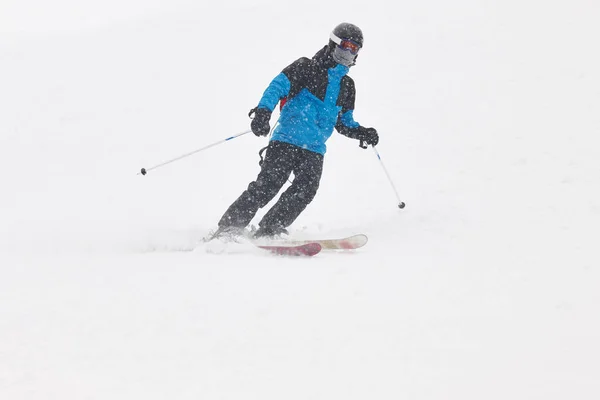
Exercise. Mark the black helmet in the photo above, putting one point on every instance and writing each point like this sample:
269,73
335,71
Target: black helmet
347,31
345,41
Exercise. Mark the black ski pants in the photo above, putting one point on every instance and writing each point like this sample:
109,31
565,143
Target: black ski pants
280,161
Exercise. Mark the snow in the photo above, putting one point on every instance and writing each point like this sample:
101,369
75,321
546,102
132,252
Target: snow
484,286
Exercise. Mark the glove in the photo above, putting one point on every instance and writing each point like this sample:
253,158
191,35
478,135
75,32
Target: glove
368,136
260,123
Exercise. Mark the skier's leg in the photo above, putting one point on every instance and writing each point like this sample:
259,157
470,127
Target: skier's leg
294,200
275,171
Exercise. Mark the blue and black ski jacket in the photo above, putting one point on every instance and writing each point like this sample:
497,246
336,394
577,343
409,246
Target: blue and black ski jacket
316,95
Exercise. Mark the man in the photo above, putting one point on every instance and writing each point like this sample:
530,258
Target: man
316,95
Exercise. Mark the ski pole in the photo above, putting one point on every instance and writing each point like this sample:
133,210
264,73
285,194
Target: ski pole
400,202
144,171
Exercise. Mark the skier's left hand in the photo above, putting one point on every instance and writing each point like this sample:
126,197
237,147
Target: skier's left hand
368,136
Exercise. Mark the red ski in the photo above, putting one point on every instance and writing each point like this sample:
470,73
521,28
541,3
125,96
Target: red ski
347,243
305,249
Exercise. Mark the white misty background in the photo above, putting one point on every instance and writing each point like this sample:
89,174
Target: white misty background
484,286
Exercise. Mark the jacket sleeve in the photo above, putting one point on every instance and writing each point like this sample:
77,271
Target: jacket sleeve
277,90
346,125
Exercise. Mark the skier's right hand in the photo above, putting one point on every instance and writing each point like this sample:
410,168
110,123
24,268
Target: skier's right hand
260,123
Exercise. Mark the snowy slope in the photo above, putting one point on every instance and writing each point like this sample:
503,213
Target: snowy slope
484,286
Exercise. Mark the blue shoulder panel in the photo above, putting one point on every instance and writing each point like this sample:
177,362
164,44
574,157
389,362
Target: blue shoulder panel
277,89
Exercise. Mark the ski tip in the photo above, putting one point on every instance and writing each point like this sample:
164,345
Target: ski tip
307,249
311,249
362,237
353,242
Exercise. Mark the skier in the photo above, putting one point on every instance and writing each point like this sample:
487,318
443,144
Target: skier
316,95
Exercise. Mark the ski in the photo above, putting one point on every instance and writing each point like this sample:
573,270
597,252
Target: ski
307,249
347,243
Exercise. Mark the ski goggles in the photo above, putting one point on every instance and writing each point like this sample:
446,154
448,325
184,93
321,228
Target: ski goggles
346,44
349,45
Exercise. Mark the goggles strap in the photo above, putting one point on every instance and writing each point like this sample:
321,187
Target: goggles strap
335,39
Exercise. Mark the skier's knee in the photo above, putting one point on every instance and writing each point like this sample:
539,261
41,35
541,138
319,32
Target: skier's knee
262,193
309,193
